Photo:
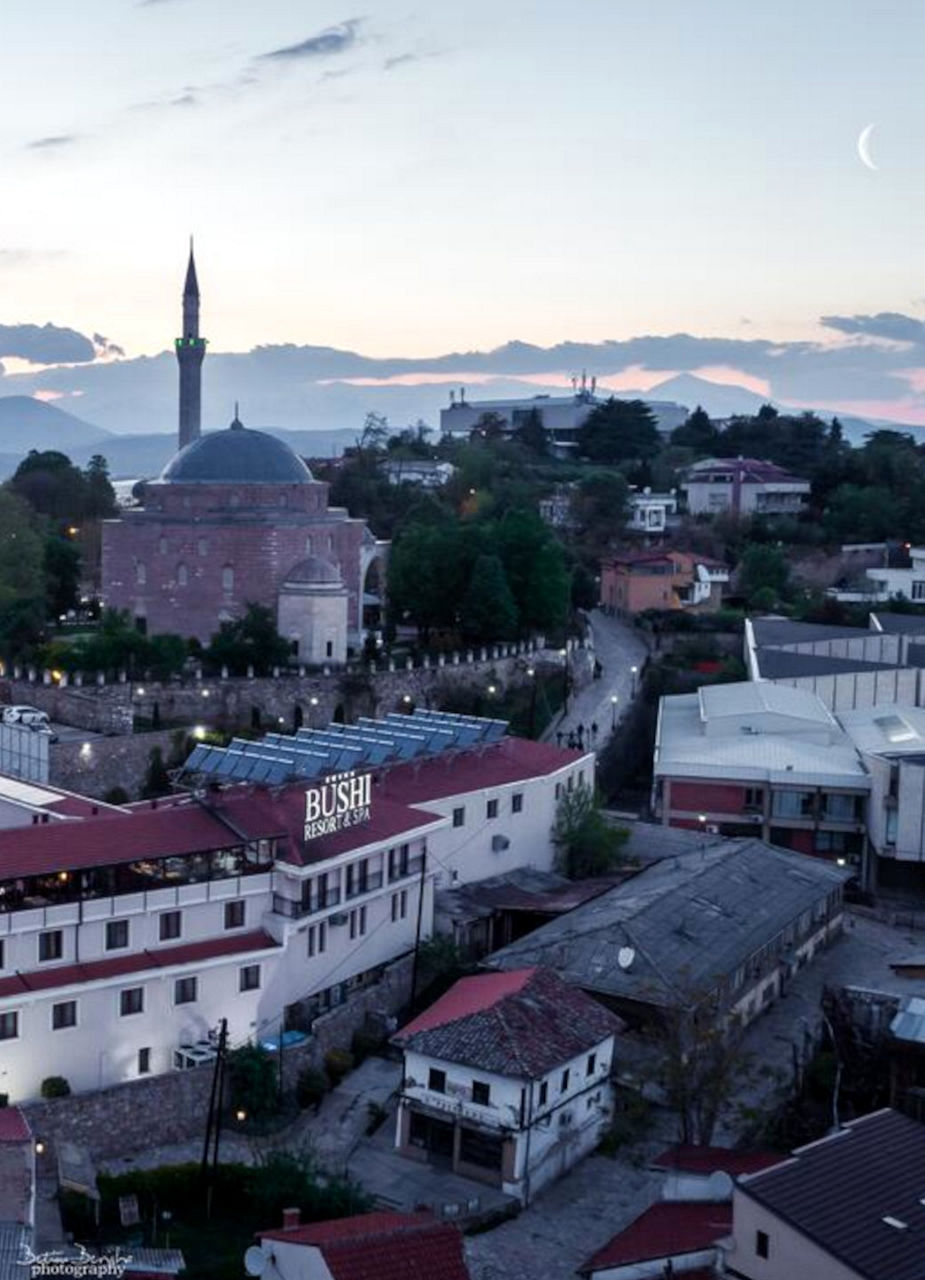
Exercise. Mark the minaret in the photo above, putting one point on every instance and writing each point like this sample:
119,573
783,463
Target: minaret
190,351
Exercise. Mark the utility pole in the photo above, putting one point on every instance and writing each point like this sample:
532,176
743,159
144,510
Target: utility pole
417,930
214,1118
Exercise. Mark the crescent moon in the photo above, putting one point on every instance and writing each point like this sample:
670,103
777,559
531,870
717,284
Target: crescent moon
864,147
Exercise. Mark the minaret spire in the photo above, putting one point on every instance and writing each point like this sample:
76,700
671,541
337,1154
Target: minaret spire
191,349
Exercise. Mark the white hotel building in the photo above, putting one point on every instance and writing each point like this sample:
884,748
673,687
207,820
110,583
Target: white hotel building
126,935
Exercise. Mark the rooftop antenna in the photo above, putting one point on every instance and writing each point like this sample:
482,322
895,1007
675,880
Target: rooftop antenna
462,395
594,384
452,395
574,381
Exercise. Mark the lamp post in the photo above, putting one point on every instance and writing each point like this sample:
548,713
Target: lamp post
531,673
563,654
613,711
634,672
702,823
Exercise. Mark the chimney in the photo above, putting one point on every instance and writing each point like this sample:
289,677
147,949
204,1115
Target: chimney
291,1219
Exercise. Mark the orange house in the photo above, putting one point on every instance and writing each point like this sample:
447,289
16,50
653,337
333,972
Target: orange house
640,580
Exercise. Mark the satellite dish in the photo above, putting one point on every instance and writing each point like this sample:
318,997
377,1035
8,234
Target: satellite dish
626,956
256,1260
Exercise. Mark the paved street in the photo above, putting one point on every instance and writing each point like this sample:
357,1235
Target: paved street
618,649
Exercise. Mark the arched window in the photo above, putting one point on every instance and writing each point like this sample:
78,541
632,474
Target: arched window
141,573
236,499
308,545
182,575
203,547
162,546
228,578
330,542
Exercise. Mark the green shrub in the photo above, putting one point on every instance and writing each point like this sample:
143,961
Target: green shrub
55,1087
337,1063
254,1081
311,1087
116,795
631,1122
4,1100
377,1116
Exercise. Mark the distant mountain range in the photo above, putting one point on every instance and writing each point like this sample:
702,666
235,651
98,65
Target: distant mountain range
338,409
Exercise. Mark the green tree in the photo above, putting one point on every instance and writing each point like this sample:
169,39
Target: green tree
863,513
490,426
157,779
61,565
600,510
763,568
488,609
546,598
698,433
249,641
100,499
22,575
531,433
586,843
619,431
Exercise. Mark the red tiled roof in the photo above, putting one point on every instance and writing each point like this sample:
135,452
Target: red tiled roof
13,1125
504,763
522,1029
668,1228
260,812
469,995
68,975
383,1246
707,1160
180,826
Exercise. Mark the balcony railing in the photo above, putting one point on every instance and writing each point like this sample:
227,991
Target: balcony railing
371,882
295,908
411,868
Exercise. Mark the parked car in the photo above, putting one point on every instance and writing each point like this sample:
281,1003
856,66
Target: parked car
30,717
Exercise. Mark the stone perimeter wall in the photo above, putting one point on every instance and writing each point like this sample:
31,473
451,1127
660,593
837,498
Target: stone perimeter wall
172,1108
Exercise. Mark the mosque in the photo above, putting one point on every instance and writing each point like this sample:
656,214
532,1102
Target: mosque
237,518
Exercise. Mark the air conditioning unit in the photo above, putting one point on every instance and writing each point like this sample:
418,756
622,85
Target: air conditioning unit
339,918
499,844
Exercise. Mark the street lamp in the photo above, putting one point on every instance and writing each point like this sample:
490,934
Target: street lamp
563,654
531,673
634,672
613,711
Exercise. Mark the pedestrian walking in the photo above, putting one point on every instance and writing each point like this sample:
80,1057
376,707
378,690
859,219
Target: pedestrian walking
558,737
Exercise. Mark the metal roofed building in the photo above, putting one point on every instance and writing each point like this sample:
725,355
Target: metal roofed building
757,758
743,487
848,1207
739,917
890,740
292,873
846,667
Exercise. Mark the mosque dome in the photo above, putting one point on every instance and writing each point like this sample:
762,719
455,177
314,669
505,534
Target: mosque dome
237,455
313,571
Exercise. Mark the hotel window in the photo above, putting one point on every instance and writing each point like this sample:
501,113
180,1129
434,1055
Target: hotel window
141,573
592,1063
51,945
2,965
544,1094
9,1026
565,1080
64,1015
308,546
132,1000
399,905
491,809
762,1244
517,802
162,546
558,790
228,578
481,1093
250,978
170,925
918,591
436,1080
182,575
144,1062
202,547
116,935
184,991
317,939
459,817
234,914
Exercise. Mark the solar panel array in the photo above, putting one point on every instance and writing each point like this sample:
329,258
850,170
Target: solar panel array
310,753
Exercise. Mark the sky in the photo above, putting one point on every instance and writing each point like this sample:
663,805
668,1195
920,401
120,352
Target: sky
402,180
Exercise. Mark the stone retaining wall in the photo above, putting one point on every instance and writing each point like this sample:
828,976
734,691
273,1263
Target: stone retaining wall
172,1108
94,768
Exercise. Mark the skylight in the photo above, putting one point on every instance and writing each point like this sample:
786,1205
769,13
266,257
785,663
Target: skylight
895,1222
895,729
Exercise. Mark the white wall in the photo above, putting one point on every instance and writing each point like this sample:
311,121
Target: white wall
790,1254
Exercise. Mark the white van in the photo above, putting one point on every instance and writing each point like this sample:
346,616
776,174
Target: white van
29,716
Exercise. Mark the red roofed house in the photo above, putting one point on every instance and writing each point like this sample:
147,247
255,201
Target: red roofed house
640,580
707,1173
685,1234
507,1079
127,934
369,1246
743,487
